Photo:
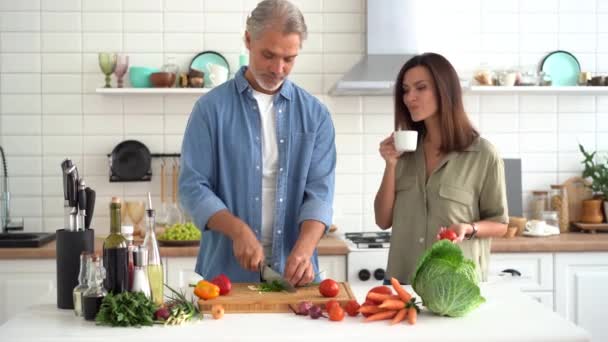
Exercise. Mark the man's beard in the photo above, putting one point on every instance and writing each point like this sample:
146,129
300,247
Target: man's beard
264,85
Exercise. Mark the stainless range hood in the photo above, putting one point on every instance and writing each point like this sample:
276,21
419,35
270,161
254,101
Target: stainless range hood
391,41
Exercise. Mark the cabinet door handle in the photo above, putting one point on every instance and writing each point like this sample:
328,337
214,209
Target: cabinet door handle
512,272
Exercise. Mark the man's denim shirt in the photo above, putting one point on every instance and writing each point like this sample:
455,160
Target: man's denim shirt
221,168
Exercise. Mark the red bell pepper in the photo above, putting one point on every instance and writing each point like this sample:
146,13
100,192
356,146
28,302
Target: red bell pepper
223,282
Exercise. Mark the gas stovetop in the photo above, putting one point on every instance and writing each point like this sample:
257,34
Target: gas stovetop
369,239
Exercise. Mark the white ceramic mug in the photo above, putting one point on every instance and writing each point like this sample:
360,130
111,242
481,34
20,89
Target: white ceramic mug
536,227
405,141
218,74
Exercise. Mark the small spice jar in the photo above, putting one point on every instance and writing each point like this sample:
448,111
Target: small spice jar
559,204
538,204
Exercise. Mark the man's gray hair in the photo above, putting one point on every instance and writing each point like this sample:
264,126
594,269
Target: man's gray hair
280,15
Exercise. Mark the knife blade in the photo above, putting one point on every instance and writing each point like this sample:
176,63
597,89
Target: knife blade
90,193
268,275
82,205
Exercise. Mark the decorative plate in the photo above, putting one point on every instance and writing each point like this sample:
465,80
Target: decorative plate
563,68
200,61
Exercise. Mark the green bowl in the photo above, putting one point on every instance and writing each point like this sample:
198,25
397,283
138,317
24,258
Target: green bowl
140,76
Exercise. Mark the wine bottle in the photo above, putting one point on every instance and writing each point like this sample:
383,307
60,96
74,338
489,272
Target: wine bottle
115,255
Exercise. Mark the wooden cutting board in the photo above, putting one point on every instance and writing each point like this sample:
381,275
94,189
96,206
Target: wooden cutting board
577,190
242,299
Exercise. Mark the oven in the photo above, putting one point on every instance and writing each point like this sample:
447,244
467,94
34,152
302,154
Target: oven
367,259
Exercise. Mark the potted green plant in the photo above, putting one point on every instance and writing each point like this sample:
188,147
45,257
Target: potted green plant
598,173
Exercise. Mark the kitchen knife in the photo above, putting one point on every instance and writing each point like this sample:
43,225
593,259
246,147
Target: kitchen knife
90,194
73,187
82,205
66,167
268,275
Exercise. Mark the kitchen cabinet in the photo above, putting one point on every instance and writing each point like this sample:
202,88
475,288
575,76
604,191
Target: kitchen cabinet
580,290
24,283
535,273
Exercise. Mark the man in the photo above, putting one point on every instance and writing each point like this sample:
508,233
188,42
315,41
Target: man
258,160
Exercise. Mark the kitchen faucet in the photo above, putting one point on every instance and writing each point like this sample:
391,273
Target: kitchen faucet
7,223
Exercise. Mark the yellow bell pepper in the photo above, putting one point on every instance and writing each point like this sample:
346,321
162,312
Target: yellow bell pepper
206,290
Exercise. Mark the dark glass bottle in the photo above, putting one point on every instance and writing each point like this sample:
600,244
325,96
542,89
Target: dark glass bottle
94,295
115,255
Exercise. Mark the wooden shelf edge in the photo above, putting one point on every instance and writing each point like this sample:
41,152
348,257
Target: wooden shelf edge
154,91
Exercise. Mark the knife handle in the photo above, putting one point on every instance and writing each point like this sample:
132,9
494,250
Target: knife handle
90,194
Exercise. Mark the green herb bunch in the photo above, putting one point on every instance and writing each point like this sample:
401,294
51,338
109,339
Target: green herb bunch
127,309
598,172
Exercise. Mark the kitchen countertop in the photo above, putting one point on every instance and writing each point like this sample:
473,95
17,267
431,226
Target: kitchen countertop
329,245
568,242
507,315
332,245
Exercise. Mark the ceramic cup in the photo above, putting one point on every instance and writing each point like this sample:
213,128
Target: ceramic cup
405,141
536,227
218,74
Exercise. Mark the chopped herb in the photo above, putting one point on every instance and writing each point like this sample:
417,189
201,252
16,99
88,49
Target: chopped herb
274,286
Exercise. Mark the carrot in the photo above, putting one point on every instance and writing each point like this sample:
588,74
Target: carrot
381,315
400,316
370,309
392,304
412,315
378,297
403,294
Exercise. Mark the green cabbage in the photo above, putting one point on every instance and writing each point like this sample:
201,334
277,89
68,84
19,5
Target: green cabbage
446,281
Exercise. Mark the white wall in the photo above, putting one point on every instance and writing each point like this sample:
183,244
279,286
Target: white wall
49,109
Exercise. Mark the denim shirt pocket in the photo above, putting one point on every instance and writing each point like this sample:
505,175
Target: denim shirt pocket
300,155
455,203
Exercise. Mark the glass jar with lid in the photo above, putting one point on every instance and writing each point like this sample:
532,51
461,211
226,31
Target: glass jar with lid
538,204
559,204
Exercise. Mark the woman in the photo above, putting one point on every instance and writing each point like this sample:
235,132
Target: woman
453,179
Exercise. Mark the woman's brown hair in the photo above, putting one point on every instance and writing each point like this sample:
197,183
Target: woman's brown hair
457,132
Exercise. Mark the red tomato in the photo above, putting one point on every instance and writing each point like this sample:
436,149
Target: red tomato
379,289
352,308
336,313
331,304
329,288
448,234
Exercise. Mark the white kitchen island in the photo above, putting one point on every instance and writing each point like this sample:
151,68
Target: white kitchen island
508,315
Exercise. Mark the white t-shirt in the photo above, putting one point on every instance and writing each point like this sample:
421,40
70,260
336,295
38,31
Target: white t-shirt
270,163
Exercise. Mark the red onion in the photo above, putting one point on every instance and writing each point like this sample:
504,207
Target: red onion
315,312
304,308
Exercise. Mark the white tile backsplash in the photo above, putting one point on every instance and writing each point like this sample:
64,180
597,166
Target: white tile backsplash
61,42
103,6
20,21
102,22
61,21
24,5
61,62
60,5
49,71
19,42
143,22
19,62
21,125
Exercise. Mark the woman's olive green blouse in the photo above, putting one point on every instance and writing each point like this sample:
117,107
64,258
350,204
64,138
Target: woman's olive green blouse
467,186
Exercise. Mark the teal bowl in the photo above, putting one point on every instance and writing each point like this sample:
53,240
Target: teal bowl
140,76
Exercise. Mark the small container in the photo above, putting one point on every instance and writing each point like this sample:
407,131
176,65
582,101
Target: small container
538,204
94,295
559,204
551,218
140,278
